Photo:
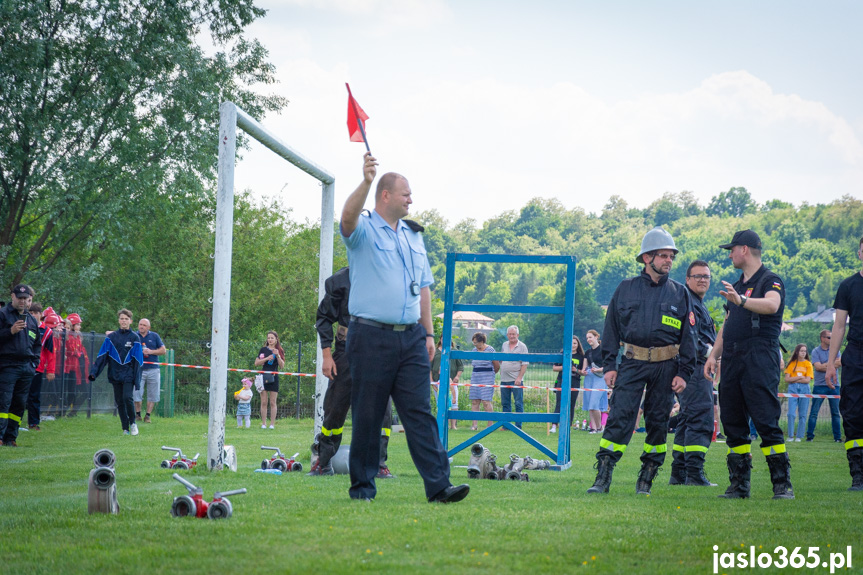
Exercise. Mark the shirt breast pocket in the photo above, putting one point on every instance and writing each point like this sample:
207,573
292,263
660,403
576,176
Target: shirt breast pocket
385,243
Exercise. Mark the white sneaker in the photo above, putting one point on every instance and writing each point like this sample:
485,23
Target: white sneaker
264,426
797,440
553,429
271,427
134,428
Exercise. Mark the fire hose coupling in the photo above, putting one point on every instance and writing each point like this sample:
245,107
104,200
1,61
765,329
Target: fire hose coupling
279,462
179,461
102,484
483,465
193,504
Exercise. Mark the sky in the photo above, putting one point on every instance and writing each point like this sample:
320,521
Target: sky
484,105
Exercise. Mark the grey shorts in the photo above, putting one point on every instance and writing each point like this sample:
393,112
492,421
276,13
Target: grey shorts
151,381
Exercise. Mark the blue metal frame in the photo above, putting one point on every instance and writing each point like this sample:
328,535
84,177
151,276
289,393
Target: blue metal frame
562,456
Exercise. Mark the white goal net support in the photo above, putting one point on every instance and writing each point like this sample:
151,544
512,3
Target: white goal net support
231,117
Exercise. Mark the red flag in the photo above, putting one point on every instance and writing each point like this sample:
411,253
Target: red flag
356,119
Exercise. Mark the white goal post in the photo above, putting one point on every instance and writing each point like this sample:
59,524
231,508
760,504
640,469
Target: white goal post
232,117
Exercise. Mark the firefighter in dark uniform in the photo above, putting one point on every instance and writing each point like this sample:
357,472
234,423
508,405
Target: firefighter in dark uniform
20,347
849,305
334,309
649,317
695,424
748,344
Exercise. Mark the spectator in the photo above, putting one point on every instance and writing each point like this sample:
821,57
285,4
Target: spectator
456,367
20,348
77,362
595,402
121,352
483,374
576,371
152,346
512,373
272,358
45,367
244,407
819,363
798,374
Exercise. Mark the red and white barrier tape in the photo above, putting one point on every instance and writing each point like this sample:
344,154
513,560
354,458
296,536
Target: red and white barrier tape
231,369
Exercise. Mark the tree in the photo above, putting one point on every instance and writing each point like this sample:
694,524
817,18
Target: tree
107,101
734,203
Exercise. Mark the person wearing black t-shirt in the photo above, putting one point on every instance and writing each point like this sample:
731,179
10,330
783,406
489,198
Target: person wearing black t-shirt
748,344
576,372
270,358
849,305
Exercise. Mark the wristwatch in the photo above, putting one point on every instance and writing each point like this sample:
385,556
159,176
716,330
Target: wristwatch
743,300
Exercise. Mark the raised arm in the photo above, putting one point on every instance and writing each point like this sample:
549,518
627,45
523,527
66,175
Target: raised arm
355,202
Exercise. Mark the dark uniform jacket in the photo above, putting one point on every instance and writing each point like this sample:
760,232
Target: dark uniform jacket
122,353
22,347
649,314
705,330
334,309
742,324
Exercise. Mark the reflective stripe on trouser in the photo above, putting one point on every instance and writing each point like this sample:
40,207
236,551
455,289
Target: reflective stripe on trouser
14,387
741,449
851,392
695,424
773,449
749,384
632,378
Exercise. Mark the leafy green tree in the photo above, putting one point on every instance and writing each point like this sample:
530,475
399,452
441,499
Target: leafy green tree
734,203
108,101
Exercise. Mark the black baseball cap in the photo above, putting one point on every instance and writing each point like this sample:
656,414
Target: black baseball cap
744,238
22,290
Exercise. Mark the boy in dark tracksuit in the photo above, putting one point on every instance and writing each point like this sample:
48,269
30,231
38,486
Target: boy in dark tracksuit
123,349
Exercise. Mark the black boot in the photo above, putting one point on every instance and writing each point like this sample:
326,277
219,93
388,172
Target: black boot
739,473
678,469
645,477
780,475
604,468
322,453
855,465
695,470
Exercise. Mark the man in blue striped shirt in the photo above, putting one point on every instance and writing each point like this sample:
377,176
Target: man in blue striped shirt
391,339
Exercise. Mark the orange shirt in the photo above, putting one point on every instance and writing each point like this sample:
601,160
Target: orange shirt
800,368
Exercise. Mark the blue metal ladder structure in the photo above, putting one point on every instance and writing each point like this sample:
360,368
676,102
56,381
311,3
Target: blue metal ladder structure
507,420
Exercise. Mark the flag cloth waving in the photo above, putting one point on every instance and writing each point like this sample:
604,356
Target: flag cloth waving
356,120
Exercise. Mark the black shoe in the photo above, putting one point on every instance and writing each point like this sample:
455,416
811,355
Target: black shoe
698,478
451,494
720,436
808,439
604,469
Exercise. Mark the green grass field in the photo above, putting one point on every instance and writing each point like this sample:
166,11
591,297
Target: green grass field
297,524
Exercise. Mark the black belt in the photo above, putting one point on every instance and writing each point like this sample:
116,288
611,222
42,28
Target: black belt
379,325
476,369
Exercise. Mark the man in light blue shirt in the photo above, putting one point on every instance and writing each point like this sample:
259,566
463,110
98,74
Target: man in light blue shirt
819,357
390,341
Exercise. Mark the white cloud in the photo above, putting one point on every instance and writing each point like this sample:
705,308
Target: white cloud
477,148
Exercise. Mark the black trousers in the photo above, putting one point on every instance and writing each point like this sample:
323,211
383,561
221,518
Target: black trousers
695,424
851,395
748,387
34,401
388,363
337,402
14,386
633,377
124,402
573,396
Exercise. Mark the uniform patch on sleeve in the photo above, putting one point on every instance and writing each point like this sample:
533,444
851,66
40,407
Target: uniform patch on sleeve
749,292
691,318
777,285
673,322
